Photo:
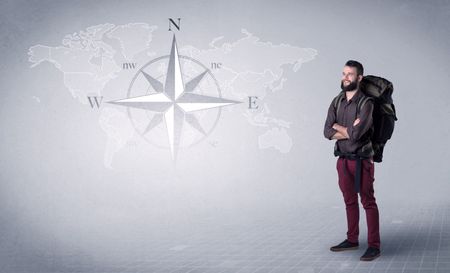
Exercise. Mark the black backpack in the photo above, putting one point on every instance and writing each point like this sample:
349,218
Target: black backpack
380,91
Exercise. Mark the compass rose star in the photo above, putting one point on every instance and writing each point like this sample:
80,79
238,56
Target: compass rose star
174,101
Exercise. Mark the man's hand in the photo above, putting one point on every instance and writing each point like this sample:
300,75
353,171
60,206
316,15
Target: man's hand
341,129
338,136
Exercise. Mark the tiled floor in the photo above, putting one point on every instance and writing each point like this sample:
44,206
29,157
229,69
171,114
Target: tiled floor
414,239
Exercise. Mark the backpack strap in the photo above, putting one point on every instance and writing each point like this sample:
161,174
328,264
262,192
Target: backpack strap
337,101
361,103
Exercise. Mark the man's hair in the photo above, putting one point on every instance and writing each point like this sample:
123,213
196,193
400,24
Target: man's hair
359,67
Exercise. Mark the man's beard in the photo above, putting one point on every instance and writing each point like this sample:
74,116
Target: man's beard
352,86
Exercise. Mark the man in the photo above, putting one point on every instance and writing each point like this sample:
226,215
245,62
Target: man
351,125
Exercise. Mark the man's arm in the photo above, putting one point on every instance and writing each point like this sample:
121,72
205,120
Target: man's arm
364,123
328,130
341,130
360,125
338,136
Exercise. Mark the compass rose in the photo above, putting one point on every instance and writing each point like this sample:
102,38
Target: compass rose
171,101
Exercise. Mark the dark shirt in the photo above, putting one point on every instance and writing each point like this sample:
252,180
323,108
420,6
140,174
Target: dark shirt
359,135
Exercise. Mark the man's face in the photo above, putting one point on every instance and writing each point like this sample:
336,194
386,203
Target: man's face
349,79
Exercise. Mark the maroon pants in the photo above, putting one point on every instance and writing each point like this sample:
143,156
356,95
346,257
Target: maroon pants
346,170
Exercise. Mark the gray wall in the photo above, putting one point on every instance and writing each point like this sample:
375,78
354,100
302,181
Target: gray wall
55,190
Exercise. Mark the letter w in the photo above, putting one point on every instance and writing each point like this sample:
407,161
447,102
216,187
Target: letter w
93,101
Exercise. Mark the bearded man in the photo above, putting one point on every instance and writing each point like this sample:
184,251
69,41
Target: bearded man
350,123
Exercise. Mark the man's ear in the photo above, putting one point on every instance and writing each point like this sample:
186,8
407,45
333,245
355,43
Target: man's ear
360,77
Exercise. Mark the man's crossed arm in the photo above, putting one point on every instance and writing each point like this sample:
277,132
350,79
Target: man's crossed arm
342,131
333,130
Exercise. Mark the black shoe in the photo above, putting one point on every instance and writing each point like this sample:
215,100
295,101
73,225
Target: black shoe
345,245
371,254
